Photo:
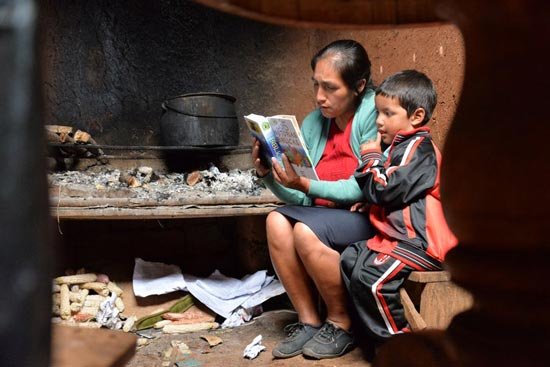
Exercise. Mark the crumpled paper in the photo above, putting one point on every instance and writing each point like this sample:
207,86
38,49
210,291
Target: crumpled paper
253,349
241,316
108,313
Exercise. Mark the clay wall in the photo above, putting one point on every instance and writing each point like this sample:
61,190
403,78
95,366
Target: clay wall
107,66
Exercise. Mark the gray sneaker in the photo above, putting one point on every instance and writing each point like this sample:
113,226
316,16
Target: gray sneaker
297,335
329,342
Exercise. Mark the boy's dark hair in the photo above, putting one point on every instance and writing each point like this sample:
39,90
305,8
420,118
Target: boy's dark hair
351,60
413,89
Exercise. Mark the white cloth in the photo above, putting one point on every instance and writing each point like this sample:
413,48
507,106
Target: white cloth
222,294
156,278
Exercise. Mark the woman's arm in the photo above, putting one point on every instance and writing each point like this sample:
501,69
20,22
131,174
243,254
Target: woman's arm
287,195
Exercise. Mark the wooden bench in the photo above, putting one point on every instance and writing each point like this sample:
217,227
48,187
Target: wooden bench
431,300
73,346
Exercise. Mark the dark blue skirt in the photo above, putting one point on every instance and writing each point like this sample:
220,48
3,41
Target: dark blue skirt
336,228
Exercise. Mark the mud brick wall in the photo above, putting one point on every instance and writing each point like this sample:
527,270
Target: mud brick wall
107,66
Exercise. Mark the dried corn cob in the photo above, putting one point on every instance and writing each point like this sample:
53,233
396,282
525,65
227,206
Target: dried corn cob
114,288
129,324
182,305
90,310
93,300
56,299
188,328
76,307
161,324
64,302
103,278
119,304
99,288
76,279
79,296
82,317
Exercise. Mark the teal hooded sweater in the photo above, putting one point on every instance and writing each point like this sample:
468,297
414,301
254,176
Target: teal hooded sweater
315,129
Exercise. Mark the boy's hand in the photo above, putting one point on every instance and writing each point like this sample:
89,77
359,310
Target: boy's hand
288,176
360,207
372,144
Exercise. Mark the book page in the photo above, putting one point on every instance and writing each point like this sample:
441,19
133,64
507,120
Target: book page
260,128
292,144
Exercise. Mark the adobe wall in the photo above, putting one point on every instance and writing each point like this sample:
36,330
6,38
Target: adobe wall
107,66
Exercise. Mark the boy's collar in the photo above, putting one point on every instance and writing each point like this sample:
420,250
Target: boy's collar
403,135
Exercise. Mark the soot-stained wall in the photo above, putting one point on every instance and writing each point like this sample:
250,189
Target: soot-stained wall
107,66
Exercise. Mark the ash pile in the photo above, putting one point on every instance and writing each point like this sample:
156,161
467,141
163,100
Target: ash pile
144,182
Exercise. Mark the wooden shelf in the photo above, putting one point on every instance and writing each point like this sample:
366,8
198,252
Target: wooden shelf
79,203
159,212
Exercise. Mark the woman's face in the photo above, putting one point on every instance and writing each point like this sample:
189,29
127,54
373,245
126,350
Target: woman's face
333,96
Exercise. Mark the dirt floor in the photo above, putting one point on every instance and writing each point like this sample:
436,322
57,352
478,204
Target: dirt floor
160,350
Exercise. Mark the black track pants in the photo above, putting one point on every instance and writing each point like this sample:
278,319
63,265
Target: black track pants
373,281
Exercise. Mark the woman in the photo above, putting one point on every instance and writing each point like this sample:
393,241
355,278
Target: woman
306,238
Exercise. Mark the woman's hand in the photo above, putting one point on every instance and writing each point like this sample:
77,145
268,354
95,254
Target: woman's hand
360,207
288,176
372,144
261,170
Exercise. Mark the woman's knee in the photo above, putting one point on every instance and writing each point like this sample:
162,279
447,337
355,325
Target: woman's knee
276,222
279,230
306,241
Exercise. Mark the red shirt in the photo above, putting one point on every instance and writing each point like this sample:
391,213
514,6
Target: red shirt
337,161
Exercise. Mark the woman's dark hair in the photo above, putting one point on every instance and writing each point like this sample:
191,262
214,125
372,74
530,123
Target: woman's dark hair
350,59
413,89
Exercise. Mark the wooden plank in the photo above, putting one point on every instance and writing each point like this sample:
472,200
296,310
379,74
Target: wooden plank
79,347
76,195
441,301
411,314
156,212
436,297
429,276
149,202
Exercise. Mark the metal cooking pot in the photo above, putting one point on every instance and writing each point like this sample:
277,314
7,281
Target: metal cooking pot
199,119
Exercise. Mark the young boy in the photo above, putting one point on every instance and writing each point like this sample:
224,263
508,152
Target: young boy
402,193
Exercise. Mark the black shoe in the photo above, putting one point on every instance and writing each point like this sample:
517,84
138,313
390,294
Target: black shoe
298,334
329,342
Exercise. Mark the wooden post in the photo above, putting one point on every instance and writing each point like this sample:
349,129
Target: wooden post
25,239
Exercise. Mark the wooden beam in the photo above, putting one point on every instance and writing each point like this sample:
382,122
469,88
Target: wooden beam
336,14
166,212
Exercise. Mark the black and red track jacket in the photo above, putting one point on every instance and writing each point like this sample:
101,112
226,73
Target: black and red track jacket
405,209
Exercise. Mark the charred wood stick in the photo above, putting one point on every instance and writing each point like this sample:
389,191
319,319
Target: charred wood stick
59,129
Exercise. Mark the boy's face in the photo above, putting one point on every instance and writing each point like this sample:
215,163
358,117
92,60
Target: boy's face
393,118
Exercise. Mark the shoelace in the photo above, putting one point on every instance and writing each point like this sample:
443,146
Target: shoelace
327,332
292,330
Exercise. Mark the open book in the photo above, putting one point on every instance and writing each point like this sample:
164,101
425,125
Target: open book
280,135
